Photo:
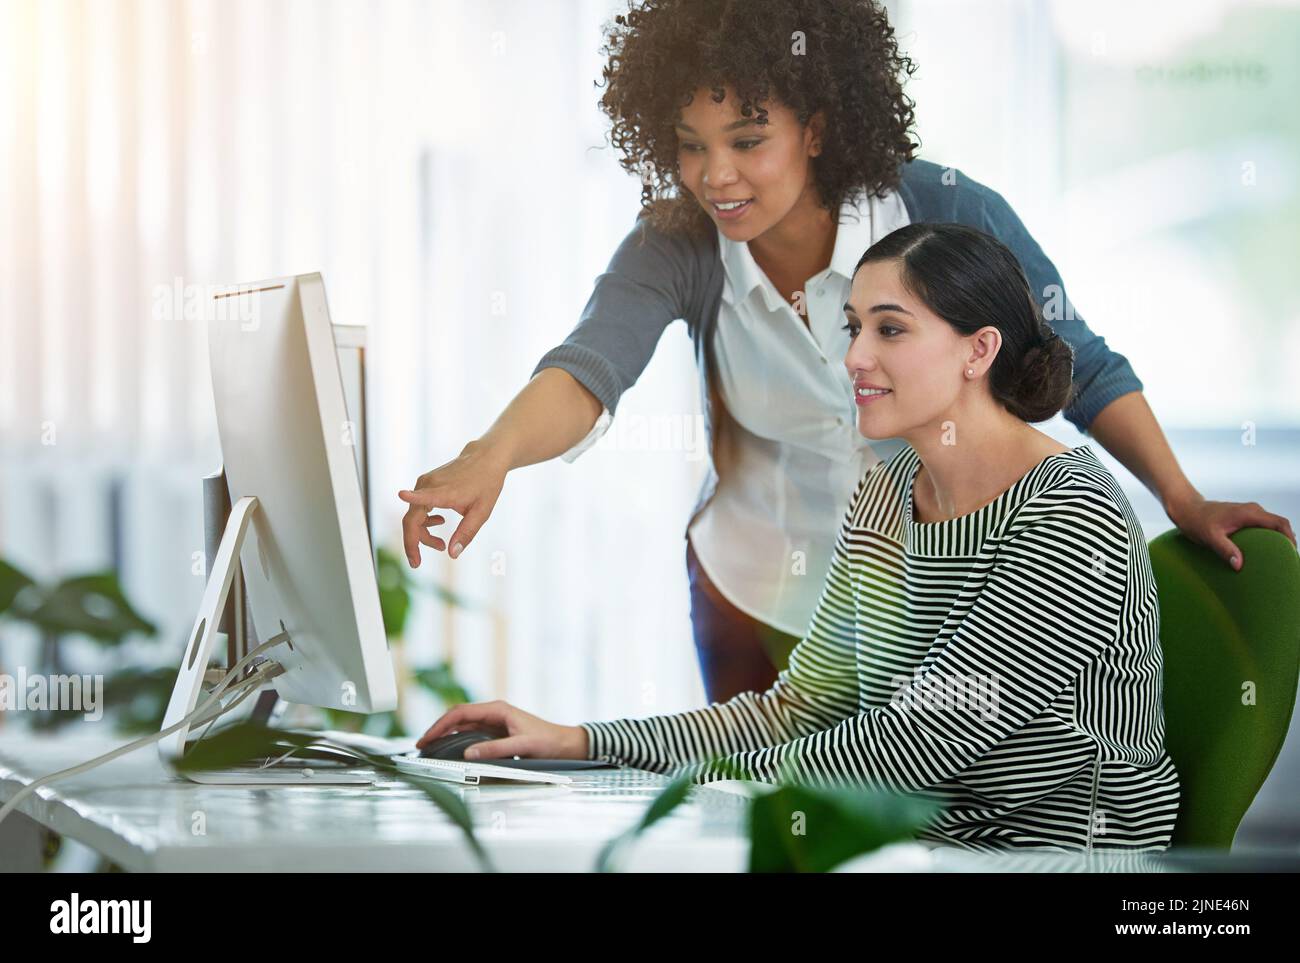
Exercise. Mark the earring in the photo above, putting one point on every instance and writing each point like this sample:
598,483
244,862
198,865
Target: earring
970,372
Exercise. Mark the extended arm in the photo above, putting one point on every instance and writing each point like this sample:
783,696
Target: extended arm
818,689
572,395
1108,403
1128,429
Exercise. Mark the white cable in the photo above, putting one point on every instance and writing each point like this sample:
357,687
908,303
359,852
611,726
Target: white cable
254,681
220,710
223,710
271,762
260,675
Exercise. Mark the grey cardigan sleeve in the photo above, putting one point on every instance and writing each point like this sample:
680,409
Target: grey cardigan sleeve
646,287
1100,374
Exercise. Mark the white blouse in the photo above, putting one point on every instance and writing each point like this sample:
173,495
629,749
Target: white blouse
765,538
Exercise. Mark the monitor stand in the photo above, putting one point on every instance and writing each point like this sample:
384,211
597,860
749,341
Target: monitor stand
194,664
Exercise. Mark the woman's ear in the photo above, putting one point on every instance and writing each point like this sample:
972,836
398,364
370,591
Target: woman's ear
816,131
984,347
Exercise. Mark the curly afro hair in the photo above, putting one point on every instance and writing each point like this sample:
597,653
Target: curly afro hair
838,56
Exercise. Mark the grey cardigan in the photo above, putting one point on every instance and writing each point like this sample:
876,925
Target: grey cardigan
655,278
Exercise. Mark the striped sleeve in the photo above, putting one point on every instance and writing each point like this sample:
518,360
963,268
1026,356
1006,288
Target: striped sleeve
1053,601
817,690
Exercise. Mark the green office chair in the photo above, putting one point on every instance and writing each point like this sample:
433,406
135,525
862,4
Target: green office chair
1220,630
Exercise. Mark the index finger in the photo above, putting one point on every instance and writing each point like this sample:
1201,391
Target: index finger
419,502
1260,518
469,712
1280,524
410,538
428,498
444,723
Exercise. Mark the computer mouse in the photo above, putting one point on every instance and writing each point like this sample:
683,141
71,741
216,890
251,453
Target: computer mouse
453,745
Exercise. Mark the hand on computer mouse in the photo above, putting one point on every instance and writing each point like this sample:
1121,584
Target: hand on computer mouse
519,733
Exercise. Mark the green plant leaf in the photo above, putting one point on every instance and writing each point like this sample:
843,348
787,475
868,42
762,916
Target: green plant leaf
242,742
836,824
92,605
442,682
12,581
396,586
672,796
803,829
454,599
452,806
246,742
139,697
394,591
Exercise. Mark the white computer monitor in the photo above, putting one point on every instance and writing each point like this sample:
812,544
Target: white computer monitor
297,526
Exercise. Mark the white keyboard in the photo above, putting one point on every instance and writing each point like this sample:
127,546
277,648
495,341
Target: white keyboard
470,773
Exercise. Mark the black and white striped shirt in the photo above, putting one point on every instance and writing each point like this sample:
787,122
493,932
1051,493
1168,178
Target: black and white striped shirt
1005,664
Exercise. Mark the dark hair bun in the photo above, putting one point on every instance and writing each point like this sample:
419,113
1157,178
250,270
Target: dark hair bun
972,280
1043,379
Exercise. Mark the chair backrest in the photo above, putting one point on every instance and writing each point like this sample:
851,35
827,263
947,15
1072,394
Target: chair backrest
1231,643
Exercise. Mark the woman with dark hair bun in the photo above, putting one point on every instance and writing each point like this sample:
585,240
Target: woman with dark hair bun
972,280
988,636
773,141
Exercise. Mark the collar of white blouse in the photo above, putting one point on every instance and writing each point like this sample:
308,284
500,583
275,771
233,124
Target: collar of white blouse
861,223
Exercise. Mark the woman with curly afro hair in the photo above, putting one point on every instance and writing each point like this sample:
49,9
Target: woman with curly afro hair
773,142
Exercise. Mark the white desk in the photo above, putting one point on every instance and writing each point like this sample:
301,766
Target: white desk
142,818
